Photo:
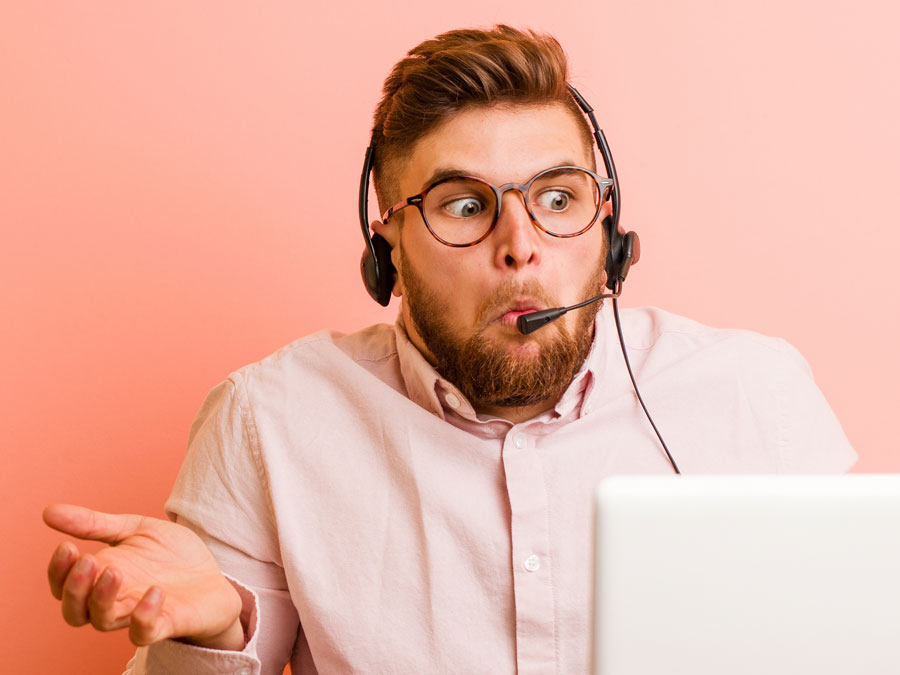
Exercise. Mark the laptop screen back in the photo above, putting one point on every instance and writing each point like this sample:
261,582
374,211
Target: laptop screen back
747,574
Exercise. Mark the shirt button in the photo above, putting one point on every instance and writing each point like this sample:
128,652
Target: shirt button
532,563
452,400
242,671
587,408
520,441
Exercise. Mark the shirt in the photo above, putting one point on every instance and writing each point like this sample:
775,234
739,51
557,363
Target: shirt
373,522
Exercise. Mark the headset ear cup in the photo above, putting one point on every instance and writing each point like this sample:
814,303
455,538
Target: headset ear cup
378,270
386,269
613,253
624,251
631,253
369,273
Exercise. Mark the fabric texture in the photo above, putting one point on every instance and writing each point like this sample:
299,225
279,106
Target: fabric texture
374,523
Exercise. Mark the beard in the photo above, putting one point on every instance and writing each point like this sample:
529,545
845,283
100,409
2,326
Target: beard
483,369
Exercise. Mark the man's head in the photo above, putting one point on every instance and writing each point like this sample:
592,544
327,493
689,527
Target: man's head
492,105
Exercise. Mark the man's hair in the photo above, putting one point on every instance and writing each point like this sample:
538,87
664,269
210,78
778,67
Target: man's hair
458,70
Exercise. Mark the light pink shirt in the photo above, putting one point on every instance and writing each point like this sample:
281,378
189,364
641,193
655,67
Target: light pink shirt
375,524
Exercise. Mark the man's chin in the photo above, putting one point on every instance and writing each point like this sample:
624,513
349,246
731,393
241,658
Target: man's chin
518,347
524,352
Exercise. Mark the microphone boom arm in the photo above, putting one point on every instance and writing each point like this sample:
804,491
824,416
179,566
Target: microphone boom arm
528,323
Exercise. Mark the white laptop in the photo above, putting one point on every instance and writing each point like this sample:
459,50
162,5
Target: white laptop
726,575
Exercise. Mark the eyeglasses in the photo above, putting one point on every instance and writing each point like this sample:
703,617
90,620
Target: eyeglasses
459,211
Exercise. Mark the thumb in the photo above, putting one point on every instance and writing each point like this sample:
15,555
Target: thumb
83,523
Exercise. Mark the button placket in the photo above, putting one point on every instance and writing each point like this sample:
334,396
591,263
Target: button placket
533,589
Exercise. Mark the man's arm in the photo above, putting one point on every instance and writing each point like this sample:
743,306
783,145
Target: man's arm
222,495
221,507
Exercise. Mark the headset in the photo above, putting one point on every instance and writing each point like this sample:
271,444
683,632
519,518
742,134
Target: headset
624,250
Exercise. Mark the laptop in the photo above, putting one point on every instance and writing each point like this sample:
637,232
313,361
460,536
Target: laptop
727,575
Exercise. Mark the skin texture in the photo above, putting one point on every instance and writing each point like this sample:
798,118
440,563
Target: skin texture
517,264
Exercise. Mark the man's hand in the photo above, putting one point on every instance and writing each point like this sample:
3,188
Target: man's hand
155,577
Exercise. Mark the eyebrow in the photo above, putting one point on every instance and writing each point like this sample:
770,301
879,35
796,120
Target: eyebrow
442,173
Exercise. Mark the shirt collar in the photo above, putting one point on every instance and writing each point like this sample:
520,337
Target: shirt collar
421,379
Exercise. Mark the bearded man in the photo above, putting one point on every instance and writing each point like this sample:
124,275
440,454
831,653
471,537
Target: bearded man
416,498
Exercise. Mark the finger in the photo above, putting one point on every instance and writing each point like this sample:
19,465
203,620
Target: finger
146,627
60,565
89,524
75,591
101,601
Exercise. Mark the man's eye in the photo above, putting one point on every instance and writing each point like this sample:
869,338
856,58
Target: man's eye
554,200
468,207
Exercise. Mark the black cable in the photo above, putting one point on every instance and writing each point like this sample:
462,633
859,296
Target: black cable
615,304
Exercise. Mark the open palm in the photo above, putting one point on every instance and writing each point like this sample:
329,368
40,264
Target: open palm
156,577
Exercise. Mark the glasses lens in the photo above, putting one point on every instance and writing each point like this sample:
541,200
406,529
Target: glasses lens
460,211
565,201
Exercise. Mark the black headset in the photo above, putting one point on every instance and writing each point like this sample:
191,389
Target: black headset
378,271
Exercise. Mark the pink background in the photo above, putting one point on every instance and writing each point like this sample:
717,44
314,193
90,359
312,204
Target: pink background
178,197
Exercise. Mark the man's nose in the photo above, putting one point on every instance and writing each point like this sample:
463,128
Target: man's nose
518,239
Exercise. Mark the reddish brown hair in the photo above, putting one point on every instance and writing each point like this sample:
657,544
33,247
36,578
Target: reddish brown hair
458,70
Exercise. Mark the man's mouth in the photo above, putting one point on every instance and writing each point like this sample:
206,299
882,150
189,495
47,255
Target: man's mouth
508,315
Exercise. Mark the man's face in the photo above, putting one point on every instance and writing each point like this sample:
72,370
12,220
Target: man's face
460,304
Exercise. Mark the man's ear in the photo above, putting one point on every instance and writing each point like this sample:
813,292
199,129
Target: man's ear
390,232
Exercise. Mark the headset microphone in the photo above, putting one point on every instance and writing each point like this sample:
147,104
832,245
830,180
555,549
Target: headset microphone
528,323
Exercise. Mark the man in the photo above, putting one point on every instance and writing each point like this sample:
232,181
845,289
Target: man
416,498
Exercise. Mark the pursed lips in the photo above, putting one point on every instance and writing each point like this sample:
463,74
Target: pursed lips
511,311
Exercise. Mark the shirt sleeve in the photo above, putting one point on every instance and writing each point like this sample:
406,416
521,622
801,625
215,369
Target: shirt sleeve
811,439
222,494
172,656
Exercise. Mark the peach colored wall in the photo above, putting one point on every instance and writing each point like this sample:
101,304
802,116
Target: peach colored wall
177,198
